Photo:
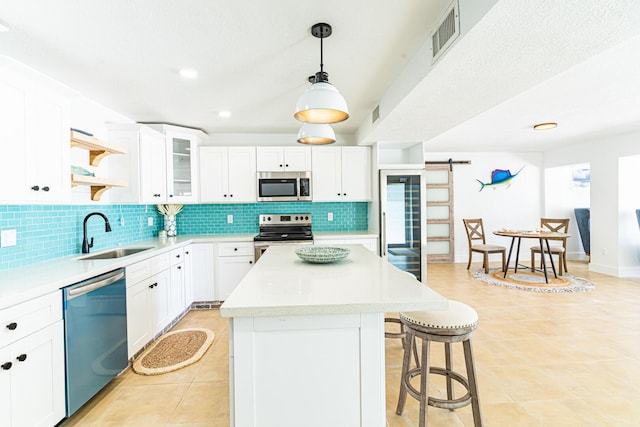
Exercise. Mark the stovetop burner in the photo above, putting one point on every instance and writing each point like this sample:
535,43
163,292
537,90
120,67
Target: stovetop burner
284,227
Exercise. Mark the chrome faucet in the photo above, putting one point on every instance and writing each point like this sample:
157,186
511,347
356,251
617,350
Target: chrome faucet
85,244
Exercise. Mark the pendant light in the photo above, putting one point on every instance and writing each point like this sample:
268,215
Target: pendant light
316,134
321,102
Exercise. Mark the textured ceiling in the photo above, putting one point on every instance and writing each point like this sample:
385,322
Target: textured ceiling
569,61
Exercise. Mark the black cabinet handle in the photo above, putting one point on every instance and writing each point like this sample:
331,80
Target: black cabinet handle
178,256
170,195
186,252
11,326
35,188
179,268
280,165
286,166
153,285
235,249
22,357
250,262
230,195
6,366
45,188
225,195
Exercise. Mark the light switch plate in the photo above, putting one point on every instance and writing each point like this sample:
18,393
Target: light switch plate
330,216
8,238
229,219
150,221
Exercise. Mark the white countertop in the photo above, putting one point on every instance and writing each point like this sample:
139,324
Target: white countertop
281,284
31,281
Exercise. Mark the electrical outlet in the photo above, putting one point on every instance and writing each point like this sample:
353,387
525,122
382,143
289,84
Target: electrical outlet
150,221
229,219
122,221
8,238
330,216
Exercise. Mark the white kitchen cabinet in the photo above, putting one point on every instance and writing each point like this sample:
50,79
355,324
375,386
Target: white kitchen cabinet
176,286
182,164
155,297
144,166
227,174
283,159
35,135
188,275
341,174
202,272
233,261
32,387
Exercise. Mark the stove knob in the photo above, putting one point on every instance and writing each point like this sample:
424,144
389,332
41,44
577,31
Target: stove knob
296,218
306,218
269,218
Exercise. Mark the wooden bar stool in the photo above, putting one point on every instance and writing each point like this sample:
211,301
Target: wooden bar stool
451,326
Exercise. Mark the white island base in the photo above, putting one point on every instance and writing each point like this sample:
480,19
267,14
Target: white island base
307,340
324,370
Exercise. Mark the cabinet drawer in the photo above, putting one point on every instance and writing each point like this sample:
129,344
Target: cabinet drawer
235,249
177,256
23,319
138,272
160,263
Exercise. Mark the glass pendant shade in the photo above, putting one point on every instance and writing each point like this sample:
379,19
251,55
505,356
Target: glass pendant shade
316,134
321,103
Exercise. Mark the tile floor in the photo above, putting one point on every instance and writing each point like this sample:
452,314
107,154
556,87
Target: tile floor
569,359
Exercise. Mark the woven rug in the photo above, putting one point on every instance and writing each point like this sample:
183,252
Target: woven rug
528,281
174,350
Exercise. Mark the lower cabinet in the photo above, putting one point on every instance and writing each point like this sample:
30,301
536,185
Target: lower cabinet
155,296
32,367
233,261
202,272
188,275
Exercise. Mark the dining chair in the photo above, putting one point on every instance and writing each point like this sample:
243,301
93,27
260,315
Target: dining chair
558,225
477,243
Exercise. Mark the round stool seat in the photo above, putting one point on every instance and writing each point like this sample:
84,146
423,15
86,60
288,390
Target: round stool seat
458,318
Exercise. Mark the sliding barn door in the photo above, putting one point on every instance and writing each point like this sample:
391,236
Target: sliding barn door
439,182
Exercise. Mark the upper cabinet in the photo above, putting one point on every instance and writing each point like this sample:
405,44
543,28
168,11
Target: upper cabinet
341,174
161,166
182,164
35,140
283,159
227,174
144,166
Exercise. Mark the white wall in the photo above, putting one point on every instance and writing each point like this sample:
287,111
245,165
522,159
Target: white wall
607,222
561,197
519,206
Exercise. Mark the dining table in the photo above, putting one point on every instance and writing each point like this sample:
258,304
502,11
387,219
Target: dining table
543,238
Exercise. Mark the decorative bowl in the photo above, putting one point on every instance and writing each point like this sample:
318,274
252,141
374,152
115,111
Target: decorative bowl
322,254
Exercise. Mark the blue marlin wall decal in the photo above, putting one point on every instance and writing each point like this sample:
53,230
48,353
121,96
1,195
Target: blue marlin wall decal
500,177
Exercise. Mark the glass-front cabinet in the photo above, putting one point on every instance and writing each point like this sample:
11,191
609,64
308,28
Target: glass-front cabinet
182,149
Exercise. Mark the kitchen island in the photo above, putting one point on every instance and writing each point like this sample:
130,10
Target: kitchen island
307,340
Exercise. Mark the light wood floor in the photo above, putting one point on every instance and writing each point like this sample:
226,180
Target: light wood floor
570,359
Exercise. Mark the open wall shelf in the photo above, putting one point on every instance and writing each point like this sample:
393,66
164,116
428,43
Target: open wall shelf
98,185
98,149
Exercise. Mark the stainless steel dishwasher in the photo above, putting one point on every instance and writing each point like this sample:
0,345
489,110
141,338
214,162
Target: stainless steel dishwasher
95,335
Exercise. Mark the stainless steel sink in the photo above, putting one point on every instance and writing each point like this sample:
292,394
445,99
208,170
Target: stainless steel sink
114,253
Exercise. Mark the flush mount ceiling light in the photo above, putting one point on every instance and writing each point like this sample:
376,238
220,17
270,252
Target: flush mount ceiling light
3,28
545,126
316,134
224,113
321,102
188,73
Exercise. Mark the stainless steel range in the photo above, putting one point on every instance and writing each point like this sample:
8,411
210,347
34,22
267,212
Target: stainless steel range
282,229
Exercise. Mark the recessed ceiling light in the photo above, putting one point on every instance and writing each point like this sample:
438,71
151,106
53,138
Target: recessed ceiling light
224,113
545,126
188,73
3,28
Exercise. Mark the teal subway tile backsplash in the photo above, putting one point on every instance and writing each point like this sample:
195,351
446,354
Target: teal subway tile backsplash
46,232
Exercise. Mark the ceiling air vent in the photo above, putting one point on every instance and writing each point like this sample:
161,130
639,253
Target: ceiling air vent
446,32
375,115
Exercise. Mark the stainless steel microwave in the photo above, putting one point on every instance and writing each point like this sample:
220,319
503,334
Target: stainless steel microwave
284,186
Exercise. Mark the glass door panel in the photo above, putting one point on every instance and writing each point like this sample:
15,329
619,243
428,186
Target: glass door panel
402,218
181,167
439,183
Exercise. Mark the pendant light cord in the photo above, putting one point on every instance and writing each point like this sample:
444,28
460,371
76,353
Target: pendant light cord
321,60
